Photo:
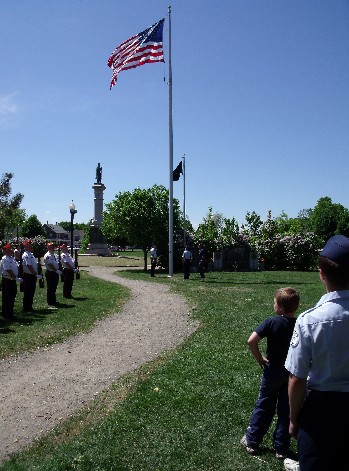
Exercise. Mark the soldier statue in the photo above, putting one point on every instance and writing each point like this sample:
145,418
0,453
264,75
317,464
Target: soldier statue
99,173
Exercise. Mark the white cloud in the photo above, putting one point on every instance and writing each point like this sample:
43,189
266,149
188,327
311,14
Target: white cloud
8,108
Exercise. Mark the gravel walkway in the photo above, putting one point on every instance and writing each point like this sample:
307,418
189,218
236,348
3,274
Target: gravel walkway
40,389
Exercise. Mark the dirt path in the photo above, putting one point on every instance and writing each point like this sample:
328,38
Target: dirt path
40,389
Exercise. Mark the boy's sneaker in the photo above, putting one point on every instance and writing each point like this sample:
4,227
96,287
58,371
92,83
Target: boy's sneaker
250,450
291,465
280,456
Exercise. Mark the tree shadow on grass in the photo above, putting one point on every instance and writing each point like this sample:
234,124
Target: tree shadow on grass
213,280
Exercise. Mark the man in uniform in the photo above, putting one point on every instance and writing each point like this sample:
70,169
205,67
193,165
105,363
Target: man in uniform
52,274
30,275
9,277
68,266
202,261
318,362
187,258
153,258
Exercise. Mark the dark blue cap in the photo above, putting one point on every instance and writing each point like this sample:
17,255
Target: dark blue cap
337,249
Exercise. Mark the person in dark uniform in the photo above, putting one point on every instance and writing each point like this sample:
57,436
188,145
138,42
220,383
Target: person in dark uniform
153,258
202,261
68,266
187,258
30,275
52,273
9,277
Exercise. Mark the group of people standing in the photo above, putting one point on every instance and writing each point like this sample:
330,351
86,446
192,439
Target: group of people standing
305,378
15,261
187,258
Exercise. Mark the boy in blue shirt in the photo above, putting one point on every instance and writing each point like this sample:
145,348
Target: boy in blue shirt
273,394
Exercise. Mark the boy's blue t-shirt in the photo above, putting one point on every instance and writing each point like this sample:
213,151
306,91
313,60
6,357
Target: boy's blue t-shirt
278,331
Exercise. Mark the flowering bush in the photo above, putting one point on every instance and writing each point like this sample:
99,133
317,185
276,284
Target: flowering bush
39,245
296,252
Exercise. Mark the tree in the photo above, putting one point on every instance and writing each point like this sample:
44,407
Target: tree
328,219
253,224
32,227
66,225
207,232
9,206
141,217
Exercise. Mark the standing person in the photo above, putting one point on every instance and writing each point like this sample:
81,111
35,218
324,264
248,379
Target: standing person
52,273
30,275
186,258
202,261
153,258
68,266
318,362
273,395
9,269
17,253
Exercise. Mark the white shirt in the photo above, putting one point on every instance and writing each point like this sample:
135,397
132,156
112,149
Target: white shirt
50,258
8,263
152,252
29,260
66,259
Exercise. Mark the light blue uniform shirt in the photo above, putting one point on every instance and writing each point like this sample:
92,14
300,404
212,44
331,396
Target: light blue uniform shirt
319,348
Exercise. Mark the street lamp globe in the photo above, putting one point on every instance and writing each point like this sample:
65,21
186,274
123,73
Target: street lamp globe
72,207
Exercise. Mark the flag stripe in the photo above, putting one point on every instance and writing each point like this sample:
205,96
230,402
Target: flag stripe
143,48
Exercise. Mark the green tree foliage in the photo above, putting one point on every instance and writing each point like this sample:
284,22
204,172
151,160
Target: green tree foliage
283,248
9,206
217,232
208,231
32,227
81,226
141,217
328,219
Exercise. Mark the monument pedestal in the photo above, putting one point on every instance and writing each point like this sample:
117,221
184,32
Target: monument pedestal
98,243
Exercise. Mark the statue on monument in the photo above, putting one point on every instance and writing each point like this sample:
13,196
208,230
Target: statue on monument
99,173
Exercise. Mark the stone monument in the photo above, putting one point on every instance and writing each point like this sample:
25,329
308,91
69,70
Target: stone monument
98,243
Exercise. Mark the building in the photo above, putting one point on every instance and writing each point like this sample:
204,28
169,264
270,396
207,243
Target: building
57,234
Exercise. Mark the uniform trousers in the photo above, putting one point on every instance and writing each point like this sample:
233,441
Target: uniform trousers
152,266
29,286
9,292
68,280
52,279
323,436
186,264
202,268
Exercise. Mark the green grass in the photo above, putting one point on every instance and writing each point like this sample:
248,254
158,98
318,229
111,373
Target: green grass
187,410
93,300
121,259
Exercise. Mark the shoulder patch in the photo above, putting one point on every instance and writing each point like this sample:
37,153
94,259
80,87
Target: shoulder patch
294,339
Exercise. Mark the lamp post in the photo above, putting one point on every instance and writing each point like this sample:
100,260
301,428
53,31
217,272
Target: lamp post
73,211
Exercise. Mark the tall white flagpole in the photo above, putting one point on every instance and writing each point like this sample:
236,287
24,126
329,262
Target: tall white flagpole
184,218
170,206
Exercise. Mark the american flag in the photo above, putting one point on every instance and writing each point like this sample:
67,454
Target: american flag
143,48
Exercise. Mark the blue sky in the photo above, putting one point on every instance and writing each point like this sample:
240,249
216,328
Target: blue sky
260,104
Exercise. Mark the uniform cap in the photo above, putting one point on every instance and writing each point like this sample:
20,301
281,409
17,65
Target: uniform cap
337,250
64,246
27,242
51,244
7,246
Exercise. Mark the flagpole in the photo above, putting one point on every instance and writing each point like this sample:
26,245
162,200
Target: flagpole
170,219
184,217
